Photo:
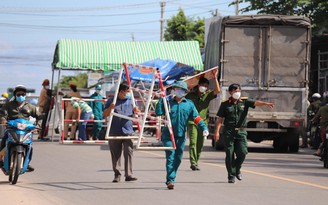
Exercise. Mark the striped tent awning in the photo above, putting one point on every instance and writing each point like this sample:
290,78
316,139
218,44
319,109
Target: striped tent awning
71,54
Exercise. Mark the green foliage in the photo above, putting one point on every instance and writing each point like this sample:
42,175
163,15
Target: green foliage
181,28
316,10
80,80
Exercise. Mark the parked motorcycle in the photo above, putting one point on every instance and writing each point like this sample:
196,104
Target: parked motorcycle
18,148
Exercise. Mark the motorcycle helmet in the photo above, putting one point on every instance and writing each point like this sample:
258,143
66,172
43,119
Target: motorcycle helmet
98,87
5,95
19,88
316,95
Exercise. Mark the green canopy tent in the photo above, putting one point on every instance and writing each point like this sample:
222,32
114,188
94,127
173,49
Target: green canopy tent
73,54
90,55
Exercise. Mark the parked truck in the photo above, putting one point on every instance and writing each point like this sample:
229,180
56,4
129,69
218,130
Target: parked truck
268,55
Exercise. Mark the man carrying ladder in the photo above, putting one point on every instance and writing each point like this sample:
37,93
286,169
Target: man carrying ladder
121,127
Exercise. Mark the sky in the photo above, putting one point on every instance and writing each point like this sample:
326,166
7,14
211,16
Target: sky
29,30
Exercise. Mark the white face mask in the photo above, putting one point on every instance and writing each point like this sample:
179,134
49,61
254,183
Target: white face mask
236,95
46,87
202,89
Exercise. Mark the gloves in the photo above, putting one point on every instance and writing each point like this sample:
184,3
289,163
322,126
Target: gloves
205,133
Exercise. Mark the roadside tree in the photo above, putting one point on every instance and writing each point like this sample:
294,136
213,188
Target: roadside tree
316,10
182,28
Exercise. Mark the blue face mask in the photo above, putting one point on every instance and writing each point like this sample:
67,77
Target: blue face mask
180,93
127,96
20,98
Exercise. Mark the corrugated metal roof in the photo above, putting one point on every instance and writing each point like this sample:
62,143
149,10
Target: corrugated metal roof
72,54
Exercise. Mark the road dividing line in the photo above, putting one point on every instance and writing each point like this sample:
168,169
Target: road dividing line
275,177
253,172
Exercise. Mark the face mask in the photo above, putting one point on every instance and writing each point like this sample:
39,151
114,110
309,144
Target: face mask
180,93
20,98
128,96
46,87
202,89
236,95
97,91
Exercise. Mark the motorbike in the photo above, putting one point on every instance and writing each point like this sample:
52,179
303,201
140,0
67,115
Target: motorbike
18,148
315,138
313,132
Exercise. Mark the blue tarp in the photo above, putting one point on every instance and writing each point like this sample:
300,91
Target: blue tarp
170,71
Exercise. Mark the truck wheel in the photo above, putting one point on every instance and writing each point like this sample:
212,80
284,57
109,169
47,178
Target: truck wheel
293,136
280,143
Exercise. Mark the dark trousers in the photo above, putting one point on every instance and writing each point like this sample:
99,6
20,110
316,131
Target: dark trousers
236,151
116,147
83,125
44,131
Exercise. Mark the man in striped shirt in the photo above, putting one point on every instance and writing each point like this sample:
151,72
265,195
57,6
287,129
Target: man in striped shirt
84,112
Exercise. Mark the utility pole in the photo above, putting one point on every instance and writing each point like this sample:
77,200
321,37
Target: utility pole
162,20
237,8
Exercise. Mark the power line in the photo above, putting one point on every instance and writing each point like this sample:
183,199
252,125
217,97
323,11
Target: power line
145,12
71,27
89,15
72,9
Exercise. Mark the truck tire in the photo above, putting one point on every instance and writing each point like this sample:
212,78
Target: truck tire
17,167
293,135
280,143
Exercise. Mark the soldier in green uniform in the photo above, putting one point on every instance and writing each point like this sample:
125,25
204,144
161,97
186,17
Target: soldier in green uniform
201,97
233,113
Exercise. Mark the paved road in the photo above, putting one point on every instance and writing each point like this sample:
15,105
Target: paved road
82,174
